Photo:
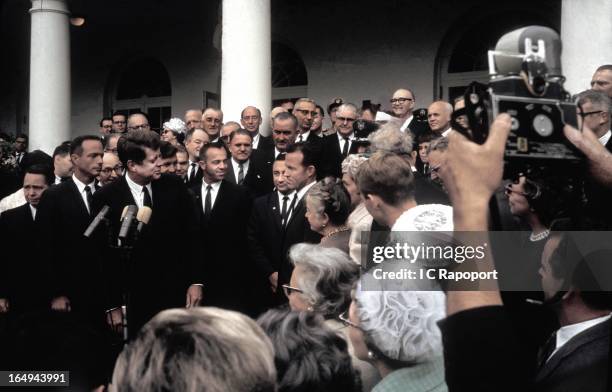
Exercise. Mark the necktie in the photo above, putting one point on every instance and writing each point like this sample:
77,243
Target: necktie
300,139
345,149
240,173
291,207
89,197
192,171
146,200
284,210
207,201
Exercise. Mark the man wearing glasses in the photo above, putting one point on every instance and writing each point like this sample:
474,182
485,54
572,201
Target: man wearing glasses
212,120
119,122
339,145
138,121
594,113
111,168
305,112
402,106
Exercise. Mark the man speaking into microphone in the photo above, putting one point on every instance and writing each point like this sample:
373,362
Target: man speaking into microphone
155,275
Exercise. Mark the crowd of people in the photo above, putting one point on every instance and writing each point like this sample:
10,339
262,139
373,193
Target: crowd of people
208,256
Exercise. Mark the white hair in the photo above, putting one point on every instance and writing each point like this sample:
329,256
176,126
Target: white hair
350,164
390,138
402,325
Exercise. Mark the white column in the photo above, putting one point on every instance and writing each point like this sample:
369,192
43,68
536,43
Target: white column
49,74
586,35
246,58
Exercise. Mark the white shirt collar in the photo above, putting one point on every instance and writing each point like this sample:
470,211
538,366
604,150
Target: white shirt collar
280,198
304,136
58,180
445,133
81,186
302,192
605,138
341,138
137,192
276,152
566,333
215,185
406,123
236,166
33,210
255,141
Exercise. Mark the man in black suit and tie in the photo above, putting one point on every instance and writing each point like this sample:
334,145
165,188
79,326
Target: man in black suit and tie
338,146
250,118
594,113
21,280
194,140
284,131
402,106
301,172
576,357
224,213
158,275
305,112
64,212
240,150
265,235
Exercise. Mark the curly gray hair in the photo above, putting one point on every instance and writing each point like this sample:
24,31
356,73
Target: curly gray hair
328,275
402,325
390,138
350,164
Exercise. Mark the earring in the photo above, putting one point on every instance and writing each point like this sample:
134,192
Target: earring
371,355
323,225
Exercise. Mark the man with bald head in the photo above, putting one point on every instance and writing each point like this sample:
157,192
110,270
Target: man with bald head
439,117
111,168
212,120
193,118
339,144
138,121
602,80
402,106
250,118
227,129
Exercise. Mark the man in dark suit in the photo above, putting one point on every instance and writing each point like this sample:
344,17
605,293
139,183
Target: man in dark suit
594,113
250,118
64,212
576,357
301,172
21,150
339,145
21,280
157,275
265,235
240,147
402,106
305,112
224,210
284,131
194,140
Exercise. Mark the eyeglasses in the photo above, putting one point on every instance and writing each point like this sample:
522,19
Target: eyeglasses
344,318
347,119
119,122
144,127
583,115
401,100
117,169
289,289
305,112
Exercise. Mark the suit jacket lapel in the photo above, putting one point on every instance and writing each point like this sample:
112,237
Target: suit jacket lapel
78,197
229,174
593,333
275,210
298,209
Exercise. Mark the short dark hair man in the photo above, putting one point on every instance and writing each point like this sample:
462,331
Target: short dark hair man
17,226
168,158
64,212
224,208
194,140
602,80
62,164
155,264
119,122
106,126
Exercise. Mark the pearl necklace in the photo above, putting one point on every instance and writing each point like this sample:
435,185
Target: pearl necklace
540,236
338,230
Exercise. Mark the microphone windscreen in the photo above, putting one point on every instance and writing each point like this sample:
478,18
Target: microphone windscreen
144,214
124,212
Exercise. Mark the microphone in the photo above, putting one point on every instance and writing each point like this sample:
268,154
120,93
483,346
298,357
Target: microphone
127,217
94,223
143,217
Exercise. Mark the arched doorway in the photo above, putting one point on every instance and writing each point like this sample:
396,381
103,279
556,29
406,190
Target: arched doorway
289,77
144,86
462,57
